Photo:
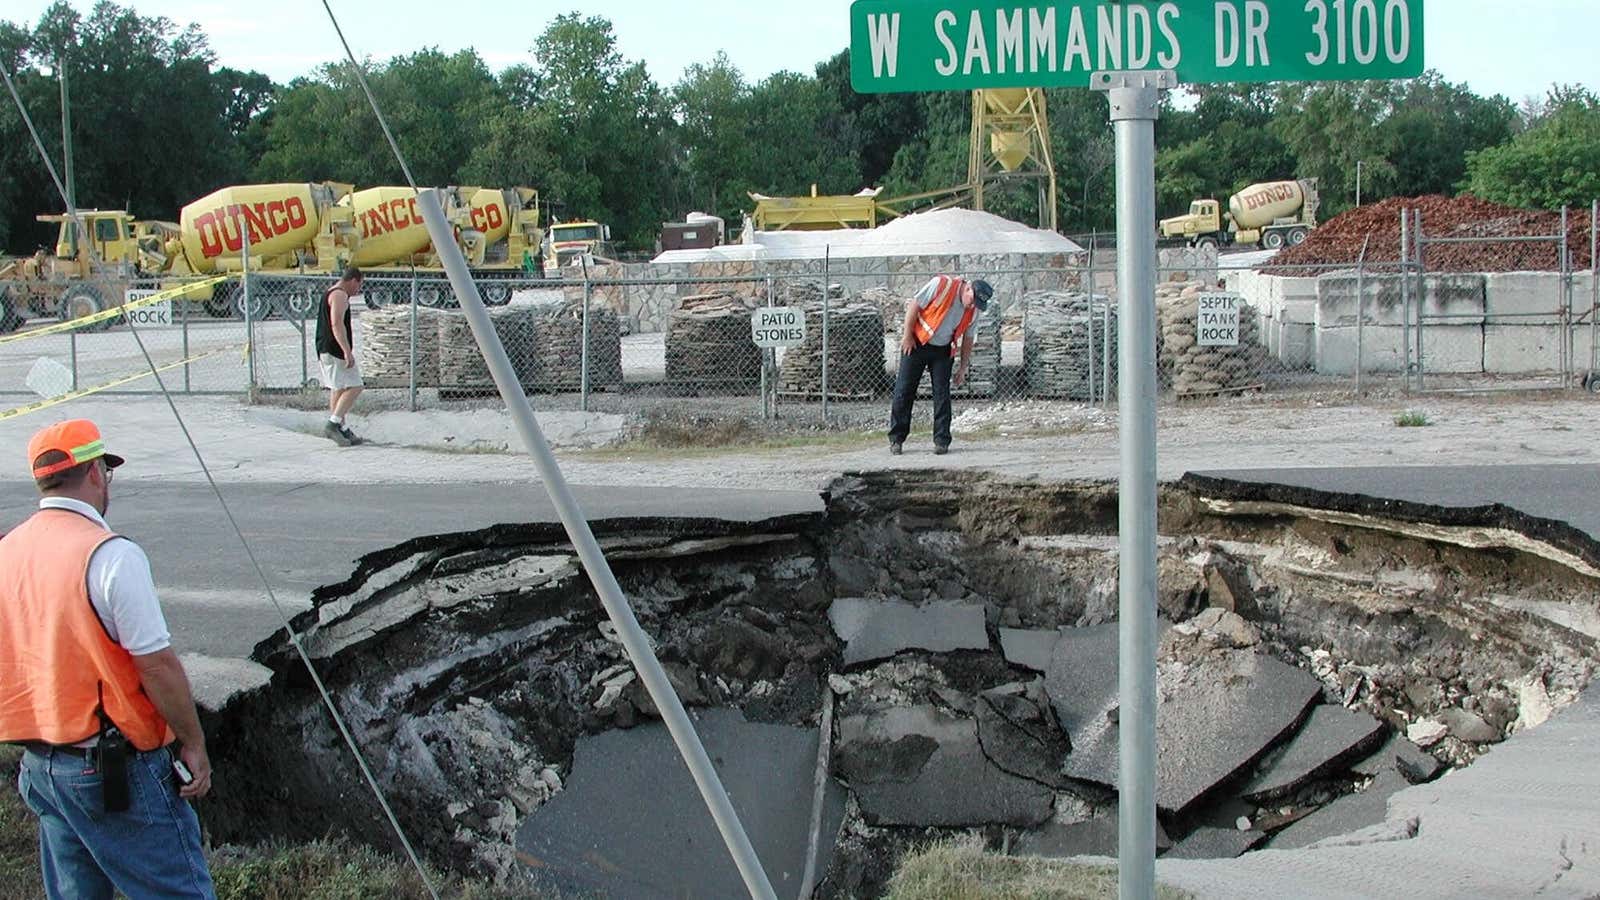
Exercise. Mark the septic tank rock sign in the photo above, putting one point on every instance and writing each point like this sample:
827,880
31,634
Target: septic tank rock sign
918,45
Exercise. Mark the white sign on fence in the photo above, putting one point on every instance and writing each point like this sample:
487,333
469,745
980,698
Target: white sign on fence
1217,324
154,314
778,326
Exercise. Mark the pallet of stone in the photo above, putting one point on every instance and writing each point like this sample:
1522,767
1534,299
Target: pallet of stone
855,353
891,304
557,336
708,343
1192,370
983,377
1065,350
386,345
461,363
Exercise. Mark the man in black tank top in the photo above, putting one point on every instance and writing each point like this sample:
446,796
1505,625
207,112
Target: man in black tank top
336,355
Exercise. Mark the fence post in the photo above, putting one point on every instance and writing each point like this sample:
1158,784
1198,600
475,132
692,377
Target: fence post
1405,299
1421,300
1105,355
1564,292
72,343
1361,311
411,367
1089,347
1594,283
249,323
827,269
188,387
769,365
583,350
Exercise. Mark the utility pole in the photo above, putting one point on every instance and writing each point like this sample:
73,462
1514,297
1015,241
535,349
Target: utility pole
1359,164
66,148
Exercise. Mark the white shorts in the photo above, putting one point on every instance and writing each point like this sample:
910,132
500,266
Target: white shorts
336,376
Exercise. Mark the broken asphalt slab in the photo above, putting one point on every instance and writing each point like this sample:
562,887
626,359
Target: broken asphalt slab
1351,812
1028,648
878,629
1217,712
1330,736
1018,732
631,822
1214,843
921,766
1415,763
1092,837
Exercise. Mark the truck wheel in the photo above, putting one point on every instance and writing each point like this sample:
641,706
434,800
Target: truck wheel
260,303
10,319
430,295
1273,240
496,294
1591,383
299,305
1298,237
1207,241
81,302
220,304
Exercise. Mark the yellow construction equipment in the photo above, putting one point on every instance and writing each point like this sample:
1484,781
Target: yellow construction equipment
817,212
1011,141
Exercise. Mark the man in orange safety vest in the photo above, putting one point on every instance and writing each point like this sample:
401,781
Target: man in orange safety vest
91,687
937,337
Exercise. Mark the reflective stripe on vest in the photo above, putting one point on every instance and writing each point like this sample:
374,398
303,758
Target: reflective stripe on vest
55,655
930,317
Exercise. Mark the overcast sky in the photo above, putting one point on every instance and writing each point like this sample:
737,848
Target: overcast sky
1518,49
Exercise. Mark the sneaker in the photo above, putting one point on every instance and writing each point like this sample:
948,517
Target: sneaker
350,435
336,434
895,449
941,449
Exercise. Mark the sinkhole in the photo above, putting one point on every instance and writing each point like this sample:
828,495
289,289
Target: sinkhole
1315,658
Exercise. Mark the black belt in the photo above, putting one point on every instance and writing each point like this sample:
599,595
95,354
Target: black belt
43,749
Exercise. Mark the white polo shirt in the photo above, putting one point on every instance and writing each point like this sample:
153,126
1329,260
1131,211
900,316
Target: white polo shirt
121,587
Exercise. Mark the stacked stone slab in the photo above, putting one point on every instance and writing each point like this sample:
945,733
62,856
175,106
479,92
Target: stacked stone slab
708,343
891,306
1192,369
855,353
1064,350
557,335
983,378
386,345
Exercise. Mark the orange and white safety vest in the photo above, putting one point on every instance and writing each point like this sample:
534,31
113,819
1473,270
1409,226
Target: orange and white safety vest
945,297
57,663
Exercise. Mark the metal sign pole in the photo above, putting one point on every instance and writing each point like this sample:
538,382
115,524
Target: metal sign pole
1135,105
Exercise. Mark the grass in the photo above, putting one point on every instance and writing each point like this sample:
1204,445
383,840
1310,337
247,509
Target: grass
1412,419
322,870
961,870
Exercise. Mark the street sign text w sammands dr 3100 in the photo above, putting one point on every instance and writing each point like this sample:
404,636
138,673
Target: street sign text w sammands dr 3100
917,45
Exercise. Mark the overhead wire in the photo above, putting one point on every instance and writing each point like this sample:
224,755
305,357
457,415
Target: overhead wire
255,562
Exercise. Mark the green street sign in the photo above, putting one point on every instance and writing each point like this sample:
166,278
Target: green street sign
929,45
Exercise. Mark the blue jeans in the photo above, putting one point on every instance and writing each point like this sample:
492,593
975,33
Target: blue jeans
938,363
151,850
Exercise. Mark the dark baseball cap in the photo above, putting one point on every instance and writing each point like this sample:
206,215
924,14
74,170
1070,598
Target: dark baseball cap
981,292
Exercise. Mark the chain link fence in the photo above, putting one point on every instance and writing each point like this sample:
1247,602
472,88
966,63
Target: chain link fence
636,339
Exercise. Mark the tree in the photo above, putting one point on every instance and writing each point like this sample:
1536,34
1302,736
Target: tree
1434,125
1555,163
143,92
1329,128
437,105
713,105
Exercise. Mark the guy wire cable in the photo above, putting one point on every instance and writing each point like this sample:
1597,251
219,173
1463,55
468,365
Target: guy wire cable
634,640
294,637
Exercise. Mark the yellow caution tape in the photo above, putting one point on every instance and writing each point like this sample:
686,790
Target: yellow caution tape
48,402
114,312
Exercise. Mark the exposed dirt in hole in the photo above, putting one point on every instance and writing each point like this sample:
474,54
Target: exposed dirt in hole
469,666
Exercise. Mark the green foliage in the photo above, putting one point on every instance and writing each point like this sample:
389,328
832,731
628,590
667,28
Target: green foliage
1555,162
962,870
600,139
1412,419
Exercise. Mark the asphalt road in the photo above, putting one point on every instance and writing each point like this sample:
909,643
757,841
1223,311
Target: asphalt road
1564,493
307,535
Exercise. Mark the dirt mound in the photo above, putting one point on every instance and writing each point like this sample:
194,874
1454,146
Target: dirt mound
1339,240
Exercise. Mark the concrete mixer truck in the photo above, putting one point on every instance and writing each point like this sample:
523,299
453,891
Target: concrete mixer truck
1272,214
290,229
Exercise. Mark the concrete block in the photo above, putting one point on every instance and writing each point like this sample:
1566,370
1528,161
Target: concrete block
878,629
1526,348
1447,299
1296,344
1524,298
1447,349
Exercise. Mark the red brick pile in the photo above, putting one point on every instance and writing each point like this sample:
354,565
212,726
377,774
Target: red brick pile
1339,240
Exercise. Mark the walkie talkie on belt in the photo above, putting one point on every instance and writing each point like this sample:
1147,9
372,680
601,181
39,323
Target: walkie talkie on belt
111,760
